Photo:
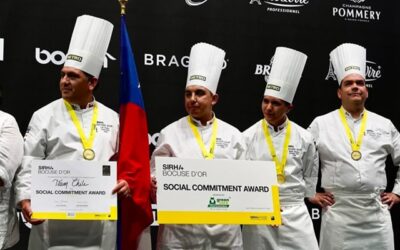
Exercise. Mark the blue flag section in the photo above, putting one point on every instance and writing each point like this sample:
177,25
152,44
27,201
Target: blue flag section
129,86
133,157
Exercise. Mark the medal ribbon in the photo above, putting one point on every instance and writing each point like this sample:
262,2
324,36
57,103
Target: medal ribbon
355,145
210,153
87,143
280,166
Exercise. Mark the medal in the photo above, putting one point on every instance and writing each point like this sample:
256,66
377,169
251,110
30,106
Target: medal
281,178
356,155
355,145
87,143
88,154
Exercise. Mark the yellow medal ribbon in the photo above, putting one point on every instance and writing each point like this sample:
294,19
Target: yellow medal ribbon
355,145
88,152
207,154
280,165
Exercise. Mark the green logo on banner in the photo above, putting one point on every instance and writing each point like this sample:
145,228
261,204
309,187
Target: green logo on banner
218,202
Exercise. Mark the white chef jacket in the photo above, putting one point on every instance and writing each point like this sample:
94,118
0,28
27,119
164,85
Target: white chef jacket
51,135
177,140
11,151
358,219
301,172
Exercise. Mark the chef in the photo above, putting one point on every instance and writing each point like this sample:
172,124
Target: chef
11,151
200,135
276,138
74,127
353,144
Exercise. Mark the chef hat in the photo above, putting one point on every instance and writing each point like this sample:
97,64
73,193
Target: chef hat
205,66
348,58
287,67
89,43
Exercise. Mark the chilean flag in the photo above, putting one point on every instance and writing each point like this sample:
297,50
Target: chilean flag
135,213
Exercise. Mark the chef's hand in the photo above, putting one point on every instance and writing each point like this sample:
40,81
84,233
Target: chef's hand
390,199
153,194
322,199
122,188
27,212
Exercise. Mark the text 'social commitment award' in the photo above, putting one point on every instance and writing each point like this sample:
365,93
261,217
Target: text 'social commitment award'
73,190
216,192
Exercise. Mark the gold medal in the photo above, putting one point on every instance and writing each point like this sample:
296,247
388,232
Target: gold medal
88,154
355,145
87,143
356,155
281,178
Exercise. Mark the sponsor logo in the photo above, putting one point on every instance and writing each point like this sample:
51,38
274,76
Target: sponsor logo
74,58
44,56
1,49
214,202
264,69
356,12
57,57
373,73
284,6
45,168
153,139
351,67
195,3
315,214
262,218
273,87
161,60
198,77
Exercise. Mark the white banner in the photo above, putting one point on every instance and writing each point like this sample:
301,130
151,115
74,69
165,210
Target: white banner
192,191
74,190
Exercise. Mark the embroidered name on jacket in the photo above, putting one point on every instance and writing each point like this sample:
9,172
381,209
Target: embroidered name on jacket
106,128
222,144
376,134
296,152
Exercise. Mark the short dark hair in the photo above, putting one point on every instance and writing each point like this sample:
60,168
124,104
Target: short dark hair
89,76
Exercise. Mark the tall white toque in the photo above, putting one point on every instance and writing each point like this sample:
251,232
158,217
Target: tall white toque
205,66
287,67
89,43
348,58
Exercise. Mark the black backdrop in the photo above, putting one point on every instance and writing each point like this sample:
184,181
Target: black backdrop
34,37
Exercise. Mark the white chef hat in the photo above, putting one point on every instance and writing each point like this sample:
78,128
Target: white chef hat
89,43
205,66
348,58
287,67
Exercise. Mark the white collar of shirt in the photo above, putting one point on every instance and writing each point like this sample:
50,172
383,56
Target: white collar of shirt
89,105
351,118
198,123
280,127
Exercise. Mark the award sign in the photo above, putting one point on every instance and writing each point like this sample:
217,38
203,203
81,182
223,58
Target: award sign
192,191
73,190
